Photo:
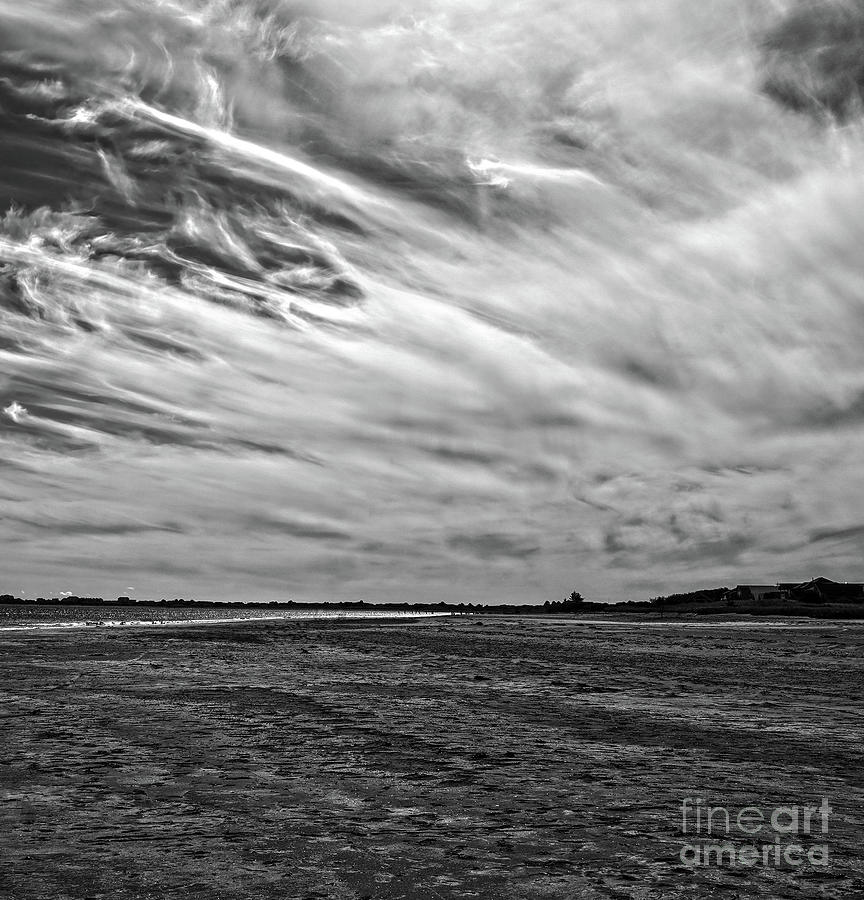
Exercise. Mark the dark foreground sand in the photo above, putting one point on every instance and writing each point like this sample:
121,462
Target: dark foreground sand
442,758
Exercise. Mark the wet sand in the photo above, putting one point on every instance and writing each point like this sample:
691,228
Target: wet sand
454,758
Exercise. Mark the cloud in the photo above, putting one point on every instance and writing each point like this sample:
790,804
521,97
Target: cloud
851,533
314,531
493,546
97,529
647,381
724,551
16,412
687,531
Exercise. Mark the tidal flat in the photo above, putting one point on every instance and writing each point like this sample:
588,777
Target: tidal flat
480,757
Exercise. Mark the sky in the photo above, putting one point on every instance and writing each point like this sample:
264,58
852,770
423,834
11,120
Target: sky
443,306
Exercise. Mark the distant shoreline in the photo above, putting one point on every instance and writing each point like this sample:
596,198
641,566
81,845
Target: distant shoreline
637,610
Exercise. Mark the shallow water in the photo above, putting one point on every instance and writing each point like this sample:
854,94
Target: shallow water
17,618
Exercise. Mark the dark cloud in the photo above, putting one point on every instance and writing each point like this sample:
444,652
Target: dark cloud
99,528
464,455
655,372
706,553
275,450
511,468
613,542
373,547
743,469
725,550
49,393
492,546
680,525
811,59
686,535
629,535
836,534
148,567
553,419
161,344
295,528
834,415
66,417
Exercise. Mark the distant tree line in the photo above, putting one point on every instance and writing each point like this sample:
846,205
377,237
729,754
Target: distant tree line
574,601
705,595
791,599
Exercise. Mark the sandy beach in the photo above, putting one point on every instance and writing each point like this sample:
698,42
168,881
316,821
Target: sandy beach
456,758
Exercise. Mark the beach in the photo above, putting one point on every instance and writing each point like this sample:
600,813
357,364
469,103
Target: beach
466,756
